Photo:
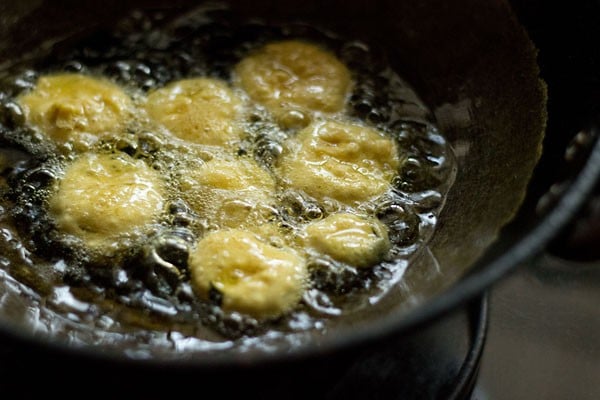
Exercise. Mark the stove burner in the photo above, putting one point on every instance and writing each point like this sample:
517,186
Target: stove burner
440,361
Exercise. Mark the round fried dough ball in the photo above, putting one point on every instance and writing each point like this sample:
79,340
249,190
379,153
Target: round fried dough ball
348,238
103,197
294,79
200,110
229,193
252,276
347,162
76,109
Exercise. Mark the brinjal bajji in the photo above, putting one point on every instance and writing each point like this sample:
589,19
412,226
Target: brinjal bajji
226,192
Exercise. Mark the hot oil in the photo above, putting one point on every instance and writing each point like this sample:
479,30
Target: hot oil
147,288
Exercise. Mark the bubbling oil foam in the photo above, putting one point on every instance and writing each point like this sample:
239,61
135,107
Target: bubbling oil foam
144,298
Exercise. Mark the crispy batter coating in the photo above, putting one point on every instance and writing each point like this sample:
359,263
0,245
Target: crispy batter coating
347,162
200,110
252,276
229,193
293,80
75,110
355,240
103,197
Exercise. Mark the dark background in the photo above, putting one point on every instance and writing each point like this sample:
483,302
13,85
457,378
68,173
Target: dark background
543,340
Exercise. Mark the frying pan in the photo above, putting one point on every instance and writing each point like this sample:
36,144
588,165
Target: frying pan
476,66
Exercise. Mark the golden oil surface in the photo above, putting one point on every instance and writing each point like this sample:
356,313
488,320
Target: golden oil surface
144,285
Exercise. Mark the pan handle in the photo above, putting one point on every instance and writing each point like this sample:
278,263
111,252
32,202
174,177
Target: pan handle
579,241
